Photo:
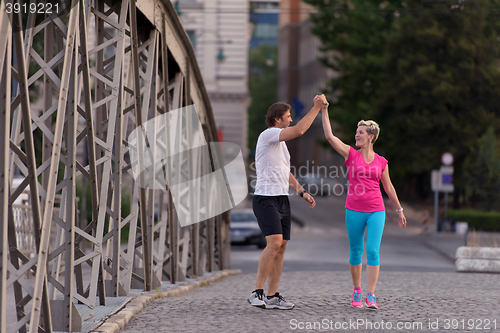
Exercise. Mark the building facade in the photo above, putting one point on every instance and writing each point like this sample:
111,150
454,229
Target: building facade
301,76
220,32
264,20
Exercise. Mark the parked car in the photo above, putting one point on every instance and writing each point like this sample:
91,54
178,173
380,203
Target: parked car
245,230
318,185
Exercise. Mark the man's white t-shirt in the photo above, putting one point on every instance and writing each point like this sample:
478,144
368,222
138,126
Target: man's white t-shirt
272,161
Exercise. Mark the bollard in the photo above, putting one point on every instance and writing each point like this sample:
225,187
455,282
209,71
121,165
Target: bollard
425,222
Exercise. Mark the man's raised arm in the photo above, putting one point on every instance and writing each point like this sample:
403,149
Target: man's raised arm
303,125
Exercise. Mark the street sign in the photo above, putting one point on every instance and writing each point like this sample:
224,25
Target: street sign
446,179
435,180
442,180
447,158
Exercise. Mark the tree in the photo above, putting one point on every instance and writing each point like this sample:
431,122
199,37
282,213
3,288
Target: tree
354,36
483,174
440,90
263,86
428,74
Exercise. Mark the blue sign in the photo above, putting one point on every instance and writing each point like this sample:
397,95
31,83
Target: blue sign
298,106
447,179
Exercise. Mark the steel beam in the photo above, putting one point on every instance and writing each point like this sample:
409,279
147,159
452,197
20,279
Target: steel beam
42,230
139,121
5,93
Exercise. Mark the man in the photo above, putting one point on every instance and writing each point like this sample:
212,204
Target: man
270,202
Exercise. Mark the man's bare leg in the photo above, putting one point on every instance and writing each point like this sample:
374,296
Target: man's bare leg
266,259
277,267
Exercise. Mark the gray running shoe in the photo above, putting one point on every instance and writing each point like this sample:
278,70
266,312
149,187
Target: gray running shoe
278,302
257,299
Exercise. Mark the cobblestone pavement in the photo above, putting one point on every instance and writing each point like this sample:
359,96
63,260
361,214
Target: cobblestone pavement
416,301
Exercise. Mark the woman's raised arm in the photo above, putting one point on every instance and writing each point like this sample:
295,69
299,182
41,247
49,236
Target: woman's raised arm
336,143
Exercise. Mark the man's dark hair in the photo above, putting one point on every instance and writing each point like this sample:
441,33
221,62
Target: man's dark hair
277,110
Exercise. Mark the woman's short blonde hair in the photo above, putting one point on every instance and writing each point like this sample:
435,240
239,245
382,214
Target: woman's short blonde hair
371,128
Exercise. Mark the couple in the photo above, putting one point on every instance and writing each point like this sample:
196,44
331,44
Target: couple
364,204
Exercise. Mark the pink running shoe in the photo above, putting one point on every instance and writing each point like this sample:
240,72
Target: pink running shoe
371,301
356,299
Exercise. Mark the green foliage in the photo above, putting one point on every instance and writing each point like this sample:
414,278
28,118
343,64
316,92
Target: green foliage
159,294
477,220
354,37
263,86
483,173
126,204
440,90
39,47
428,75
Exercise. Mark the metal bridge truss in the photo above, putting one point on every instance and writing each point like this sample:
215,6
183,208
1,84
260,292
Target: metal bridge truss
106,67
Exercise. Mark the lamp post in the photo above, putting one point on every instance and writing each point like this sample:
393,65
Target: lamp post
221,56
270,59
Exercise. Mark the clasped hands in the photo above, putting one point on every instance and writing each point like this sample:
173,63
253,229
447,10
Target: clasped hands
321,102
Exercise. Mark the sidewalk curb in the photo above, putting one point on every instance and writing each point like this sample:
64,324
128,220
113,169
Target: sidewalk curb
432,246
120,318
428,241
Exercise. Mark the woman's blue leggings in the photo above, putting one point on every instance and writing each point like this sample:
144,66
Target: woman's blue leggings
356,223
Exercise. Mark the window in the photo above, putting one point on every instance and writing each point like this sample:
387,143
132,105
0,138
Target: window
192,37
265,31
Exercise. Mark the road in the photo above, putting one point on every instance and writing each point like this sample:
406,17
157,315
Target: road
322,244
418,289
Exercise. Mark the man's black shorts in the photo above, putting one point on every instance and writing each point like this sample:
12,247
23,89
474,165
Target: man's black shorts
273,214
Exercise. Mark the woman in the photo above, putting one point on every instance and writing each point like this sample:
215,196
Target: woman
364,203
